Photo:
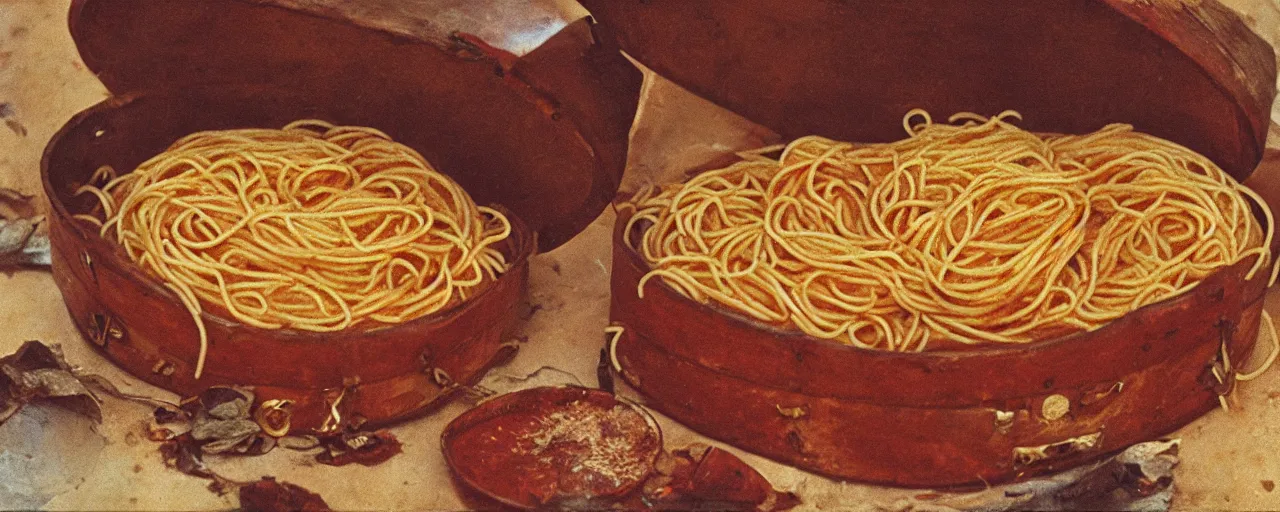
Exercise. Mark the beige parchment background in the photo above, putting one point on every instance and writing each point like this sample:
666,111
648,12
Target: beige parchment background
1226,456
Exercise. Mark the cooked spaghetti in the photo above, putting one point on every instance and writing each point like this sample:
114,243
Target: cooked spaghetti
969,232
314,227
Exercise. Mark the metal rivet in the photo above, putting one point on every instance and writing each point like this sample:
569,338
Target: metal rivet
1004,420
99,325
87,261
163,367
1055,407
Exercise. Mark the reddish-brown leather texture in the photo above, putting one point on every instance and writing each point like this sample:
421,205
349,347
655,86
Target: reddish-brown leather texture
155,329
1190,72
926,419
542,136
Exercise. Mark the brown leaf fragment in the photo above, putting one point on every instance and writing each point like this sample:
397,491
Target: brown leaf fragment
166,415
16,126
364,448
1138,479
183,454
37,372
1139,472
269,495
604,371
8,407
61,388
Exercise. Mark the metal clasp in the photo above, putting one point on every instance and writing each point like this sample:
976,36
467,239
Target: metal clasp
1223,372
1026,456
103,329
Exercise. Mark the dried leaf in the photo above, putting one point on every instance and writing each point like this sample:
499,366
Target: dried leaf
261,445
166,415
221,436
183,454
57,386
604,371
496,384
299,443
229,410
8,408
103,385
37,372
268,495
222,420
364,448
24,238
1138,479
215,401
34,355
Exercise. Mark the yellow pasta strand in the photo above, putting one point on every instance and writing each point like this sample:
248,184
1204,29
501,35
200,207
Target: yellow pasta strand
972,232
312,227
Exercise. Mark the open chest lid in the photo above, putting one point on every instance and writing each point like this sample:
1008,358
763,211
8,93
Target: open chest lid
1186,70
521,102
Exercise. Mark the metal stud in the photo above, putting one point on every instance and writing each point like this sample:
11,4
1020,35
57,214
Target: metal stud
1055,407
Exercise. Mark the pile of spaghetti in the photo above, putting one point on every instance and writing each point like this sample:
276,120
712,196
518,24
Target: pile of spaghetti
969,232
313,227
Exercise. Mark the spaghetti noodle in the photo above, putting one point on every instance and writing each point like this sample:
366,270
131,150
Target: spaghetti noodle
971,232
313,227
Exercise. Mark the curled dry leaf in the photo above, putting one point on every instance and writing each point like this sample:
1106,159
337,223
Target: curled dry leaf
101,384
183,454
364,448
299,443
24,238
222,422
222,436
1138,479
37,372
166,415
495,384
269,495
